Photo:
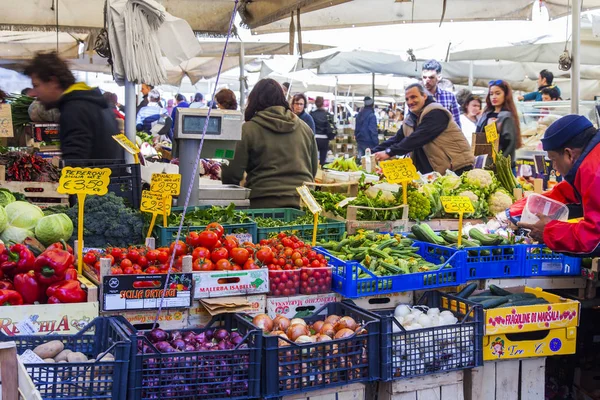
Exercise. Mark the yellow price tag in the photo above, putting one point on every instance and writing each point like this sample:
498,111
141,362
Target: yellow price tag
309,200
127,144
166,183
491,132
398,171
84,181
155,203
457,204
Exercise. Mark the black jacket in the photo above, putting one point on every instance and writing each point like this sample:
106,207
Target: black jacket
87,126
323,128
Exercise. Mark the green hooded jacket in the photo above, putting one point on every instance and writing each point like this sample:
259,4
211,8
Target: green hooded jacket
277,151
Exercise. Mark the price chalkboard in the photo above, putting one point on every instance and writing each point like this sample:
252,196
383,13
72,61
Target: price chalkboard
398,171
84,181
491,132
457,204
166,183
155,203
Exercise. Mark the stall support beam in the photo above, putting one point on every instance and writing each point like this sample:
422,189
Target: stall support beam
373,87
575,43
130,116
242,77
471,74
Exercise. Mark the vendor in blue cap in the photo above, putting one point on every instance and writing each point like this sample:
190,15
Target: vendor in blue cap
572,144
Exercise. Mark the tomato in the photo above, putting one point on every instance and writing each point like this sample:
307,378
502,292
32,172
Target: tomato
179,247
116,271
230,244
223,265
287,242
239,255
305,261
311,254
152,270
298,262
235,267
193,239
117,252
220,253
216,228
132,255
128,270
203,264
200,252
264,255
152,255
126,263
315,264
250,264
90,258
208,239
142,261
162,257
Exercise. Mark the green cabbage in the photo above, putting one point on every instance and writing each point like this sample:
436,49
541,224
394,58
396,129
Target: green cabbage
54,228
3,219
6,197
13,234
23,215
448,183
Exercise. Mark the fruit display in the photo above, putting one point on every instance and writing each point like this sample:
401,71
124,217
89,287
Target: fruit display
343,164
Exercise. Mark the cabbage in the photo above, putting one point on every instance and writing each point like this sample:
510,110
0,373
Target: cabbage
54,228
22,214
3,219
6,197
13,234
448,183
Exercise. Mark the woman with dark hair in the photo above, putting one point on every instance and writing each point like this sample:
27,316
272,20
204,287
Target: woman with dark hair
299,104
226,100
278,151
112,100
471,110
500,108
323,128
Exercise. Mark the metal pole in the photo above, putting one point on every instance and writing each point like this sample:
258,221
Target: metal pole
373,87
242,77
471,76
575,45
130,115
335,101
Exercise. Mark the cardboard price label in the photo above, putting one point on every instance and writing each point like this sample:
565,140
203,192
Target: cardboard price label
84,181
457,204
127,144
6,124
155,203
166,183
491,132
398,171
309,200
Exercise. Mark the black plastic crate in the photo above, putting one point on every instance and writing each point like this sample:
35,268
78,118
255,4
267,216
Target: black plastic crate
82,380
197,375
409,353
125,179
297,368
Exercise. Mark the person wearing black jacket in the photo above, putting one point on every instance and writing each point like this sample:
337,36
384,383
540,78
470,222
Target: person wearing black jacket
87,124
323,129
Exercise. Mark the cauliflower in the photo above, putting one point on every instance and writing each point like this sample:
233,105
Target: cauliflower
472,196
448,183
479,204
479,178
499,201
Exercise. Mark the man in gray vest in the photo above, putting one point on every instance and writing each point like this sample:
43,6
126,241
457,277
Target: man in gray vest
430,135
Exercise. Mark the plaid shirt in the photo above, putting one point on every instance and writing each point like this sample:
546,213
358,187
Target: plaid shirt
448,100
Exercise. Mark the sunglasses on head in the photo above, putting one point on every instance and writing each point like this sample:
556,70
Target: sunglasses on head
495,83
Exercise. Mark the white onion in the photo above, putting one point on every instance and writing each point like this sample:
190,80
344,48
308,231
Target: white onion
446,313
433,311
424,320
409,319
402,310
416,312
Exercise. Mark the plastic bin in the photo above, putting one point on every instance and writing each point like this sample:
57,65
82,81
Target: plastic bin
345,274
331,230
198,375
315,280
125,179
298,368
284,282
486,262
82,380
406,354
539,260
538,204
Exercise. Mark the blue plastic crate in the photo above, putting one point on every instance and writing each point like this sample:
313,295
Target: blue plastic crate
539,261
345,274
486,262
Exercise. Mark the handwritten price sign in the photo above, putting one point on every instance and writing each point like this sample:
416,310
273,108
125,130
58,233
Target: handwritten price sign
84,181
398,171
491,132
6,124
309,199
155,203
166,183
127,144
457,204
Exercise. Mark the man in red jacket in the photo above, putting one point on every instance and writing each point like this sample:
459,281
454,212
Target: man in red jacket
572,144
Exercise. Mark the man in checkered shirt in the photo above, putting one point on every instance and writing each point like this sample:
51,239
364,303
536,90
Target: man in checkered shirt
432,74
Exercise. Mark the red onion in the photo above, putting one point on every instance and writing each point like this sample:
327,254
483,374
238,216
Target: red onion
190,347
189,337
209,334
175,335
158,335
179,344
221,334
236,340
164,347
201,337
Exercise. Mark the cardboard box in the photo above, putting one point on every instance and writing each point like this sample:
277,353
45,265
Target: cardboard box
552,342
230,283
168,319
200,315
384,301
304,304
560,313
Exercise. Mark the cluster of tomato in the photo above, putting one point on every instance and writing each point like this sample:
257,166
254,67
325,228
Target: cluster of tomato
295,267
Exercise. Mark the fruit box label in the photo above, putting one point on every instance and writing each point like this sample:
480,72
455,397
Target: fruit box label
45,319
230,283
298,306
554,342
199,315
168,319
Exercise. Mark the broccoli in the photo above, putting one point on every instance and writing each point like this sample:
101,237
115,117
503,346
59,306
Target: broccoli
108,221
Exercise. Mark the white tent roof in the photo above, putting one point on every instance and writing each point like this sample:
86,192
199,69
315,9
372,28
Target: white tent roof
15,45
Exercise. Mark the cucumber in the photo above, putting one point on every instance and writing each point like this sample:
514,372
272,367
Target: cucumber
527,302
484,293
493,303
498,291
479,299
467,291
521,296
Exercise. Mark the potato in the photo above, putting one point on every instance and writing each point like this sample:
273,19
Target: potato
62,361
107,357
62,355
76,357
49,349
49,360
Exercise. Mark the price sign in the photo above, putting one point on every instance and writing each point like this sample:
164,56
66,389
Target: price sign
491,133
398,171
457,204
155,203
6,122
84,181
127,144
166,183
314,208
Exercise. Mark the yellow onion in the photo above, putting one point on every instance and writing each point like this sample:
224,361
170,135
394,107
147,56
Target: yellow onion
323,338
281,323
345,322
304,339
297,321
344,333
264,322
332,319
279,333
317,326
297,330
327,329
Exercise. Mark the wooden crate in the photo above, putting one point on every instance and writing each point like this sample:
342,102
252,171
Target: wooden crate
507,380
16,382
356,391
445,386
45,193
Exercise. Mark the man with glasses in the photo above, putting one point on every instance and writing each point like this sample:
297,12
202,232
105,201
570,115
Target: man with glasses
432,74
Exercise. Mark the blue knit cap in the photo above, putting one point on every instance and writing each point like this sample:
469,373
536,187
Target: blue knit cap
563,130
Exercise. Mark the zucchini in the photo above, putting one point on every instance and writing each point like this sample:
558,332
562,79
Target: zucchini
486,240
426,234
449,236
467,291
498,291
493,303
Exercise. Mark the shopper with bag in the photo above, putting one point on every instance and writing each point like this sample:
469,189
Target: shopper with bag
324,128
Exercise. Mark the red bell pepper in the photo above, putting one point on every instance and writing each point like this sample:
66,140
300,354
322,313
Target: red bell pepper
62,245
52,265
20,260
29,288
10,298
71,274
66,292
6,284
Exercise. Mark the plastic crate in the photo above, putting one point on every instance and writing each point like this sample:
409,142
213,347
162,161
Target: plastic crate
82,380
198,375
331,230
538,260
298,368
406,354
345,274
487,262
125,179
166,236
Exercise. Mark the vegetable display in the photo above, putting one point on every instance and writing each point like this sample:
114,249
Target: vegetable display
25,167
496,297
343,164
202,217
473,239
